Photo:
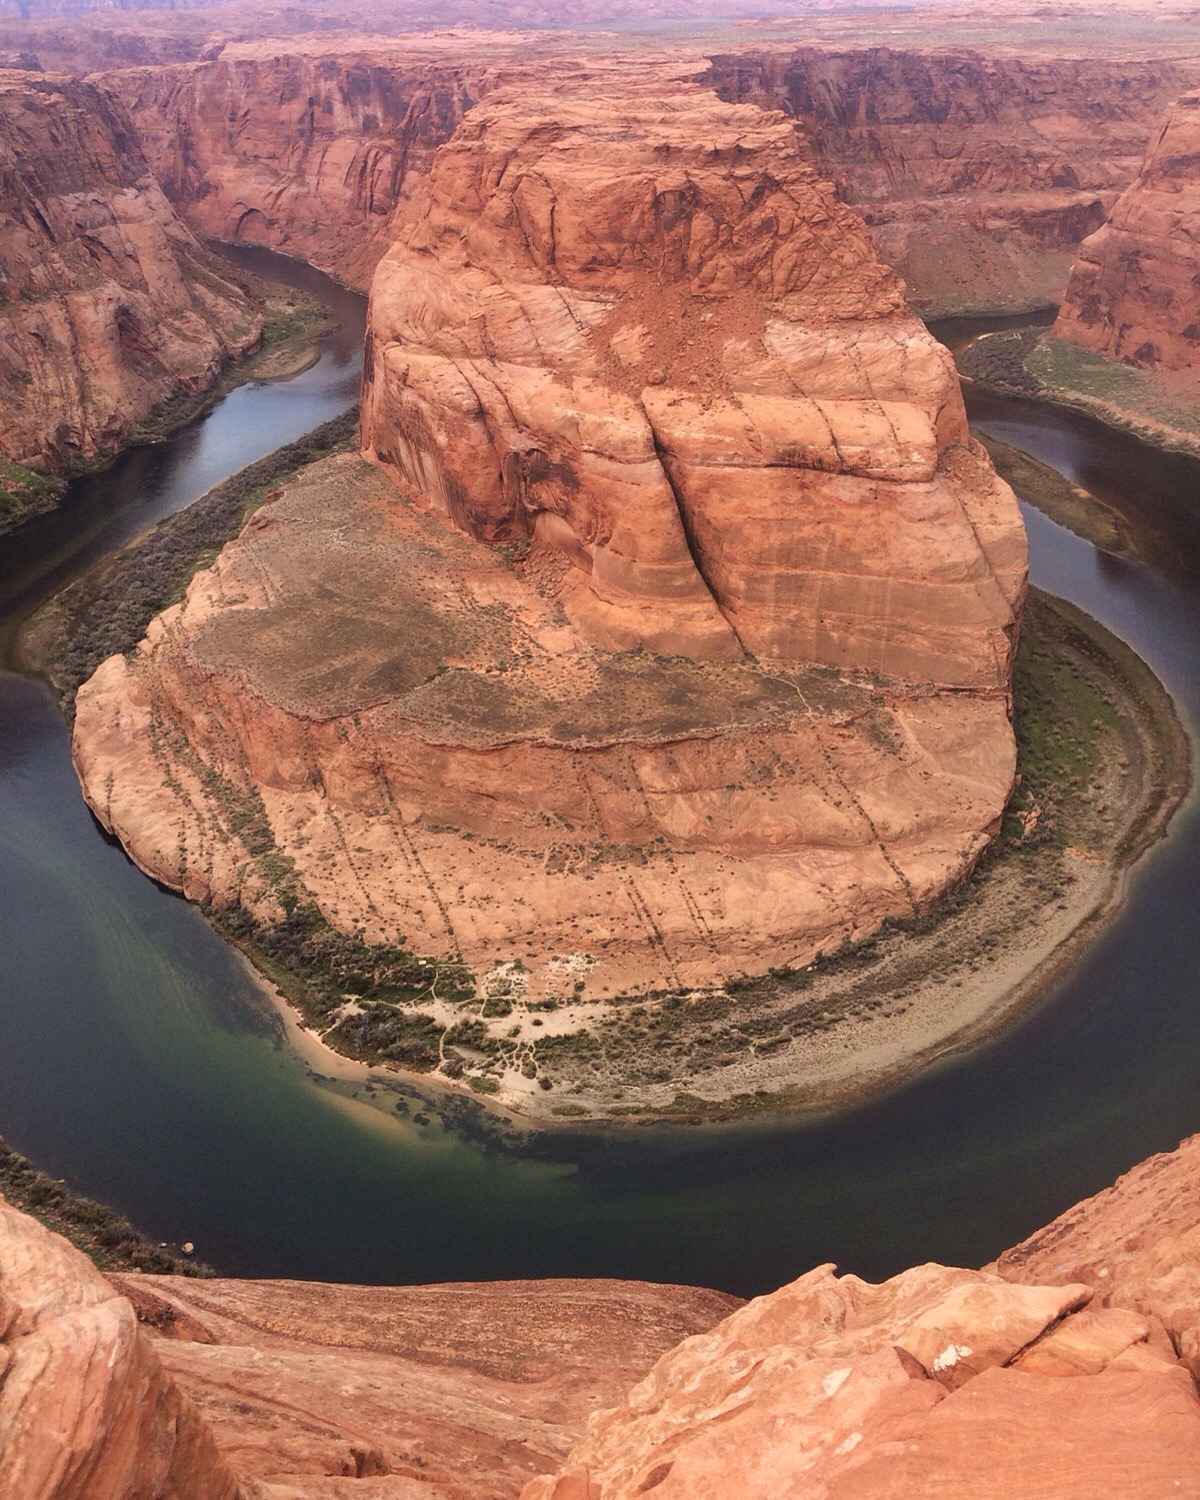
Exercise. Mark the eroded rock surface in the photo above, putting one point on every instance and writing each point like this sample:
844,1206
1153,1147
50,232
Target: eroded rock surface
459,1392
86,1410
1134,293
1064,1372
938,1381
978,174
109,304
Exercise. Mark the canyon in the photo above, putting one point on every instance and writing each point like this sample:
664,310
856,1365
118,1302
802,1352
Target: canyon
110,305
978,175
658,637
1066,1368
1133,290
708,601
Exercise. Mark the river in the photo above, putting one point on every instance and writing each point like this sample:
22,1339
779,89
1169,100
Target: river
138,1058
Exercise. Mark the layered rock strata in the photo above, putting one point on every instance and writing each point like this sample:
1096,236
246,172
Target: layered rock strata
310,152
108,304
978,174
459,1392
1134,293
690,624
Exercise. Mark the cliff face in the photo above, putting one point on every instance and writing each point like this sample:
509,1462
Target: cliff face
310,153
979,175
1066,1371
692,615
682,366
1134,293
86,1410
107,303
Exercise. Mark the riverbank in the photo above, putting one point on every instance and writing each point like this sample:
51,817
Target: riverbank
1158,407
294,327
110,1240
107,610
1104,764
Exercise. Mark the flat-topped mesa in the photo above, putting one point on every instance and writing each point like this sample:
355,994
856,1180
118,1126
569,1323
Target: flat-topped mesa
108,304
635,324
1134,293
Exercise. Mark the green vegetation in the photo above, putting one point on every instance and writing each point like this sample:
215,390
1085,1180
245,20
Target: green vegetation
106,612
1031,362
1068,504
24,494
110,1240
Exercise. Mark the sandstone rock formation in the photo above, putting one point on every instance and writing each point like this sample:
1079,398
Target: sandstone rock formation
1054,1375
939,1381
1134,293
634,324
978,174
109,305
308,151
459,1392
690,625
1137,1243
86,1411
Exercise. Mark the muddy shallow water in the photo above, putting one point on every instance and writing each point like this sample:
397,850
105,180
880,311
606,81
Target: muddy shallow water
139,1060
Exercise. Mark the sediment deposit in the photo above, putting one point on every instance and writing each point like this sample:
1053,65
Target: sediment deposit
109,304
1134,293
1066,1371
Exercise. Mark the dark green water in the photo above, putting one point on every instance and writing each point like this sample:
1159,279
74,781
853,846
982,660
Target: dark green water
137,1059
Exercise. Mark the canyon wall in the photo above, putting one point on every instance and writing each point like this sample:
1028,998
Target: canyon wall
1066,1370
1134,293
108,304
978,174
310,152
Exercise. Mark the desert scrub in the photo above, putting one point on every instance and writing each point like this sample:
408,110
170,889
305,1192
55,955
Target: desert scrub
111,1241
107,612
24,494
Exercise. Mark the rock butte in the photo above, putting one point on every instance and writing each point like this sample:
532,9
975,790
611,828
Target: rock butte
1134,293
687,623
109,303
1066,1371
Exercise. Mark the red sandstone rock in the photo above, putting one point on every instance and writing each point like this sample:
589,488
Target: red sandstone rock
1135,289
635,324
310,152
459,1392
693,541
1137,1243
836,1390
107,303
978,174
86,1411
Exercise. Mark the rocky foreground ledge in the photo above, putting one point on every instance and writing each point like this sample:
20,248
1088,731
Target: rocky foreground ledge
1064,1371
